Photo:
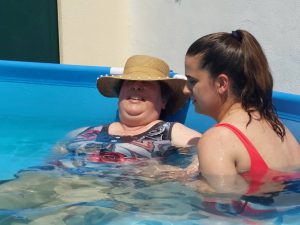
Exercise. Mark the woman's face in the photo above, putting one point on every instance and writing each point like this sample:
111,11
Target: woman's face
201,87
140,99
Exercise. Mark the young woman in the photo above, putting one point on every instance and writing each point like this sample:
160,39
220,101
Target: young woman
229,79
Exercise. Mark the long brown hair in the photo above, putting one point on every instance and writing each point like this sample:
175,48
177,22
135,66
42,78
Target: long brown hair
241,58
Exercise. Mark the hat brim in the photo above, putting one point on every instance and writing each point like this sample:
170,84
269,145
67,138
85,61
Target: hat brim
109,86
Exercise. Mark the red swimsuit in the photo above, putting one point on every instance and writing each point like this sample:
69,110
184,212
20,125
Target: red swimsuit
258,167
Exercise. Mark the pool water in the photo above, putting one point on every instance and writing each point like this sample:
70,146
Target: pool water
39,106
34,116
42,193
34,191
119,194
124,194
24,143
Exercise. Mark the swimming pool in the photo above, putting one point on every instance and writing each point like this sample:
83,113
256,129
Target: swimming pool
41,102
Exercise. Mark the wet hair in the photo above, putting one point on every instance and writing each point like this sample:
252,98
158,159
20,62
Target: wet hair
241,58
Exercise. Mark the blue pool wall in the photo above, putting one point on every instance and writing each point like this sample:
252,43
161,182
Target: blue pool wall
79,100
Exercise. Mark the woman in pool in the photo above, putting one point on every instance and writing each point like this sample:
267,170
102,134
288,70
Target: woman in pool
228,79
146,95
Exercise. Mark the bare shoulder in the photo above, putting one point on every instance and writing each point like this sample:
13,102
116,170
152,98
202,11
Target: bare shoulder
216,133
217,139
181,127
77,131
292,138
183,136
216,152
293,146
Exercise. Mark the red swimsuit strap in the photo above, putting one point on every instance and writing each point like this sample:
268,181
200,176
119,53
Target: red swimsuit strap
258,165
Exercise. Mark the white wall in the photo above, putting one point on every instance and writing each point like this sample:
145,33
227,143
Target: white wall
93,32
166,28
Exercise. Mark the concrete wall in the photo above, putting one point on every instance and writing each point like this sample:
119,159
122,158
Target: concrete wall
98,32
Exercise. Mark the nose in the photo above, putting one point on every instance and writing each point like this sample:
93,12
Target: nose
186,90
136,86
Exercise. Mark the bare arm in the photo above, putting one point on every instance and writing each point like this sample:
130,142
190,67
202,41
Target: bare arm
75,132
60,147
217,159
183,136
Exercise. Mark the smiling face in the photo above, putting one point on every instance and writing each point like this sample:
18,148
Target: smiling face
140,102
201,87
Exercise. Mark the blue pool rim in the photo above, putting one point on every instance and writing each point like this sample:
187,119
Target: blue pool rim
286,104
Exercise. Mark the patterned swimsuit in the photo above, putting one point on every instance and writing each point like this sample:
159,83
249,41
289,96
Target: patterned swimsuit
100,146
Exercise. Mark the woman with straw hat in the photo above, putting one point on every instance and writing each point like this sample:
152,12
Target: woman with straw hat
146,95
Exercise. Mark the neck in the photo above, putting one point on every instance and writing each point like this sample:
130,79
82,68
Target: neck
133,121
127,129
228,109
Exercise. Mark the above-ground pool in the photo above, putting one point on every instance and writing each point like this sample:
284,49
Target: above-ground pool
40,103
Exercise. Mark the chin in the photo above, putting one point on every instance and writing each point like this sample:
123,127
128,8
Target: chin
133,114
199,110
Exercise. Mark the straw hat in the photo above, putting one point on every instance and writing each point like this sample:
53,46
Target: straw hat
146,68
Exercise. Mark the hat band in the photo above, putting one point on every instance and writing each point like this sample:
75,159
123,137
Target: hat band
149,72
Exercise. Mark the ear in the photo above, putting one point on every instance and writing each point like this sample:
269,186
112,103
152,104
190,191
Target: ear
222,83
